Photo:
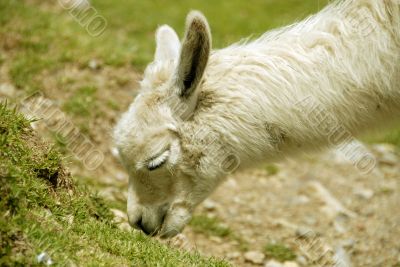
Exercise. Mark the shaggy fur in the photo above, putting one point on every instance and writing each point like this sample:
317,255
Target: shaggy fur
200,113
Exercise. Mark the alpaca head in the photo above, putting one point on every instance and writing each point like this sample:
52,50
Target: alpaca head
160,198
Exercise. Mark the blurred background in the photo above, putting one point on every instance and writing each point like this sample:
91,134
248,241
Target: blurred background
87,58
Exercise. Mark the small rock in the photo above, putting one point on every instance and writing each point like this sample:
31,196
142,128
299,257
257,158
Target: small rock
302,260
233,255
237,200
48,213
384,148
310,220
7,90
231,183
304,232
44,258
255,257
387,188
349,243
119,216
290,264
273,263
75,4
124,226
341,258
180,241
209,205
216,239
122,176
340,222
364,193
301,200
93,64
115,152
69,219
107,193
389,159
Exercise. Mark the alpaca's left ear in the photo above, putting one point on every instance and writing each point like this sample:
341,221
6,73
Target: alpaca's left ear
194,55
168,44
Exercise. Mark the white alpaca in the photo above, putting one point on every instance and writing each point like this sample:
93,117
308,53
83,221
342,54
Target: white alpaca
200,112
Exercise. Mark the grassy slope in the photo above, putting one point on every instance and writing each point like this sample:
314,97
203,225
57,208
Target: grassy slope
42,209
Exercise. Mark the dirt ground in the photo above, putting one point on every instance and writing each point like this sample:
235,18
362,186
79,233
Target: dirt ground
320,206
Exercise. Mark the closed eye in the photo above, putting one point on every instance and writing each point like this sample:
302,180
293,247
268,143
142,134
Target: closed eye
157,161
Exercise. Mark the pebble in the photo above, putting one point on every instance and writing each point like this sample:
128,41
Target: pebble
237,200
48,213
233,255
7,90
364,193
273,263
389,159
255,257
119,216
301,200
304,232
231,183
341,258
44,258
302,260
70,219
93,64
180,241
124,226
348,243
216,239
75,4
122,176
290,264
384,148
115,152
209,205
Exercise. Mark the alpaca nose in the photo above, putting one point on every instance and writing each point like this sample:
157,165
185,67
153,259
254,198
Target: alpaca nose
149,221
140,226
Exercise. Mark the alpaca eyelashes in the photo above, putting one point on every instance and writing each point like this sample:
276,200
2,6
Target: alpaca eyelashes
157,161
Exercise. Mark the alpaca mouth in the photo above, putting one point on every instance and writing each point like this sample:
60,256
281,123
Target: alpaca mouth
165,221
149,225
146,229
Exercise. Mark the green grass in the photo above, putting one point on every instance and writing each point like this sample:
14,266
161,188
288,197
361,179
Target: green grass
209,226
271,169
83,103
279,252
390,137
43,210
44,38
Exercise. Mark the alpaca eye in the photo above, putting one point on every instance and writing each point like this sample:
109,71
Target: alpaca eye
157,161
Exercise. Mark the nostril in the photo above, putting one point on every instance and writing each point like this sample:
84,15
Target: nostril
139,225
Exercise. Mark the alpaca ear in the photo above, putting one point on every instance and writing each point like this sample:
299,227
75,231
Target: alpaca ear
168,44
194,55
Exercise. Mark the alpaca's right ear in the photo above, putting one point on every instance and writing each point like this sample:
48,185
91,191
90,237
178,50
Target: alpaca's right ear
194,55
168,44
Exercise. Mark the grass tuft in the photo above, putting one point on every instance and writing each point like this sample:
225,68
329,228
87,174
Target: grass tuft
271,169
209,226
83,103
279,252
